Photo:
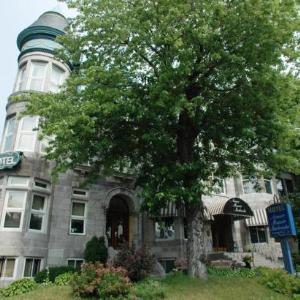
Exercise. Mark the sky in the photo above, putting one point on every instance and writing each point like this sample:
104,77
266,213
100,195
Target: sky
16,15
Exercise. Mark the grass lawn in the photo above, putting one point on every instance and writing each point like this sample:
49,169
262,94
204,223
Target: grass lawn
181,288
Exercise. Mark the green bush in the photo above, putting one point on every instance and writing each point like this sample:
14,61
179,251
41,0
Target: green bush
138,264
95,250
149,290
19,287
279,281
64,279
231,273
51,273
95,280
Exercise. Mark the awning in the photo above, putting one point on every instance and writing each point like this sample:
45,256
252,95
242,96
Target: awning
259,218
235,207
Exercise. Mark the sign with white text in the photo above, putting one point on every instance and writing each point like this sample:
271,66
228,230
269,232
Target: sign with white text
9,160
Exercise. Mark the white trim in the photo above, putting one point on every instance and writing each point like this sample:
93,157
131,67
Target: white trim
43,213
13,185
33,258
74,217
31,67
17,210
8,119
15,268
75,260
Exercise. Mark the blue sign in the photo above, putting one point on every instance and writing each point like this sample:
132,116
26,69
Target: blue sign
281,220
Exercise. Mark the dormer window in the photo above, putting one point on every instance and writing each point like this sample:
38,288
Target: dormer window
37,76
57,78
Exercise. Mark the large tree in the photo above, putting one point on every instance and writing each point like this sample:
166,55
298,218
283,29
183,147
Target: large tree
180,92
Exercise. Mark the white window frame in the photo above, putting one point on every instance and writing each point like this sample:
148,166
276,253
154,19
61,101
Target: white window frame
30,77
8,209
80,196
15,268
36,187
44,213
20,82
156,224
33,258
13,134
224,188
2,178
52,83
10,184
75,261
32,133
247,178
271,185
74,217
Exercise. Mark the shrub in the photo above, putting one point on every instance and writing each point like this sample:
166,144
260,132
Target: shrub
64,279
95,250
138,264
149,290
247,260
279,281
19,287
51,273
96,280
231,273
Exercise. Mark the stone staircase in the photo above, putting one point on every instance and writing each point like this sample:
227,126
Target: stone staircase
228,259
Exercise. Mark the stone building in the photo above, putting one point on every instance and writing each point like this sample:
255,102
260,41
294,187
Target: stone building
47,223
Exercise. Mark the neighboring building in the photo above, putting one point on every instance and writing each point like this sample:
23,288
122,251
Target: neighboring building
46,223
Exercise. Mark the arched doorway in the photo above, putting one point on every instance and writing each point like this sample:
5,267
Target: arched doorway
117,222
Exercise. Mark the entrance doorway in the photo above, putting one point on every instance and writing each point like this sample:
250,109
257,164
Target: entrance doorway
117,222
222,233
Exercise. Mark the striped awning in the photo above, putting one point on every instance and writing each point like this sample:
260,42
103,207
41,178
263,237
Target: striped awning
259,218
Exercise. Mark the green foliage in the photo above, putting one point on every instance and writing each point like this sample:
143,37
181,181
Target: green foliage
247,260
149,290
64,279
19,287
231,273
51,273
138,264
95,250
95,280
279,281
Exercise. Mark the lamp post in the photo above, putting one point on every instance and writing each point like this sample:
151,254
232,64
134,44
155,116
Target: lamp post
2,260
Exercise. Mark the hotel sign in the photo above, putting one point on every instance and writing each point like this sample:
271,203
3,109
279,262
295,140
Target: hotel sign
281,220
9,160
237,207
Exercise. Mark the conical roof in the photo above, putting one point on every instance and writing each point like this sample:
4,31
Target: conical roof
48,26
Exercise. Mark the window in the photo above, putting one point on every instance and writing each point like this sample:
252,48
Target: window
75,263
32,266
26,134
165,229
14,209
268,186
57,78
21,78
18,181
289,185
168,264
258,234
280,186
8,140
41,184
250,184
219,187
7,267
78,216
38,213
1,181
80,193
37,76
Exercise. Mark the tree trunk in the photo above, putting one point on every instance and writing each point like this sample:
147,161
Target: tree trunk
196,243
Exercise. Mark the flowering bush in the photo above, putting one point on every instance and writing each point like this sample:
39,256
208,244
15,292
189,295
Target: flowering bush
138,264
95,280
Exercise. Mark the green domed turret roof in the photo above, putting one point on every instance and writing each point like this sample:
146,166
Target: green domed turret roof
47,27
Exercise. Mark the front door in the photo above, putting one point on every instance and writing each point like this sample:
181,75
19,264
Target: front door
222,233
117,222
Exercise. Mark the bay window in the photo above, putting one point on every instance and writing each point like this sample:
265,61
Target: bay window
78,218
14,207
21,84
57,78
38,213
26,135
8,140
37,75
